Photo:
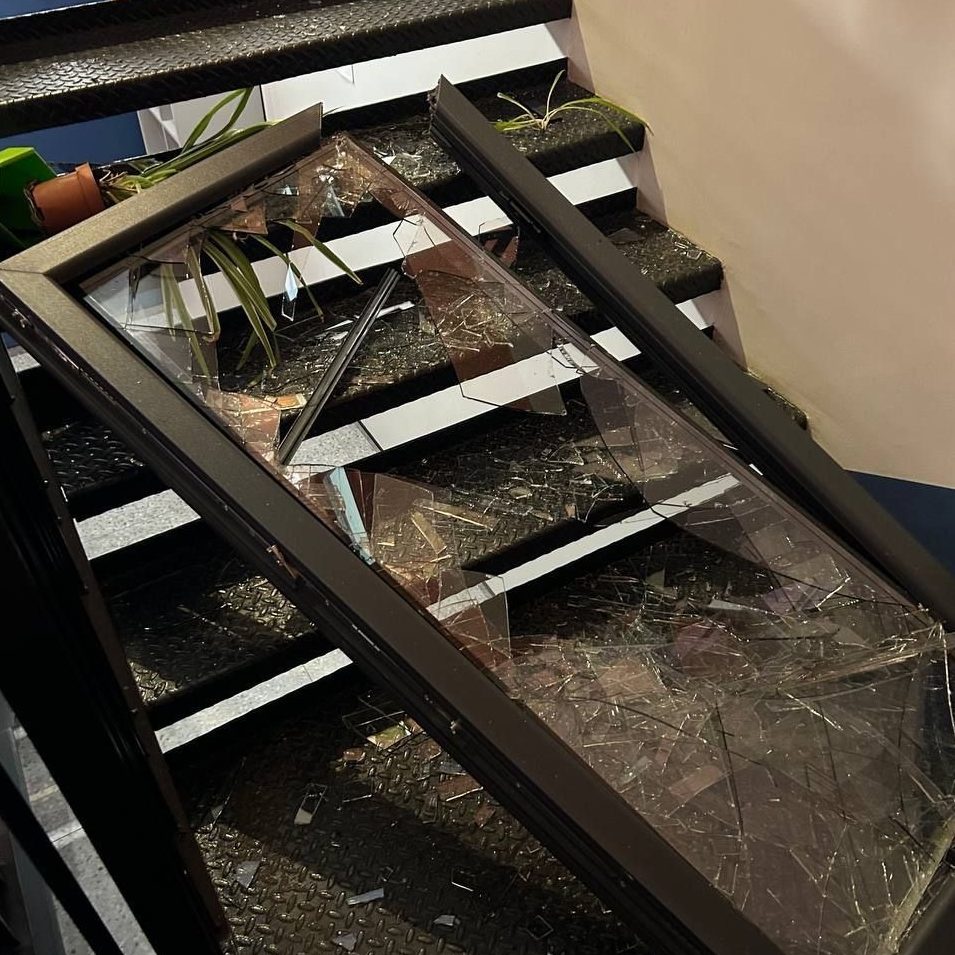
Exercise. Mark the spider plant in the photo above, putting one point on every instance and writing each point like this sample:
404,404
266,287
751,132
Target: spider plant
598,105
148,172
219,246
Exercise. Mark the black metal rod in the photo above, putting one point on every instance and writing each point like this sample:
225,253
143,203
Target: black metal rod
23,825
765,433
333,374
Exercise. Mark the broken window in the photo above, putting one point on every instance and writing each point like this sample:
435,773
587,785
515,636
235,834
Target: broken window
777,712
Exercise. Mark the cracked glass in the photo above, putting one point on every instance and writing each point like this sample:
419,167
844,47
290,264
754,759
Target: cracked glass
776,711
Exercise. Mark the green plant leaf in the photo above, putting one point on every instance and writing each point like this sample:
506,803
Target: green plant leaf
250,344
512,125
202,151
287,259
607,104
519,105
249,301
550,95
322,248
588,104
194,264
241,95
260,332
616,127
174,304
241,261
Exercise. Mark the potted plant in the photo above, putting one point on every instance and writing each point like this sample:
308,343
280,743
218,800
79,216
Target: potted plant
62,201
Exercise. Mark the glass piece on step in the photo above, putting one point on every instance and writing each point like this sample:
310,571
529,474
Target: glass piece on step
758,774
379,722
803,588
539,928
256,421
248,213
374,895
350,180
464,879
485,324
313,798
152,291
501,242
454,788
245,872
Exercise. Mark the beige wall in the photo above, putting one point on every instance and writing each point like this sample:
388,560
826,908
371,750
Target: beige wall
810,144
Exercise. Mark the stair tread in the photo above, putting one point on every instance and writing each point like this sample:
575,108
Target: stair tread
401,134
458,856
62,68
400,352
190,612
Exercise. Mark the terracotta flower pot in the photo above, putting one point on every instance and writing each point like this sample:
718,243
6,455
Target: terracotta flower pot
67,199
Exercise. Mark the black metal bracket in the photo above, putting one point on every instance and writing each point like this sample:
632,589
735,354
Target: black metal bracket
735,402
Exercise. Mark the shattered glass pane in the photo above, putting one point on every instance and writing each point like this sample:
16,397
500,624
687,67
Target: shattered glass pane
486,322
772,708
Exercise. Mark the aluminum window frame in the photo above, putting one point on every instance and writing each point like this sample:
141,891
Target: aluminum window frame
765,434
521,762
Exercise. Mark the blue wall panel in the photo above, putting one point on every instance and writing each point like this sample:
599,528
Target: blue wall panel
99,140
926,510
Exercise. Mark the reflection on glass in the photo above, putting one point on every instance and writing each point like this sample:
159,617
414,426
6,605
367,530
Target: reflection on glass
779,714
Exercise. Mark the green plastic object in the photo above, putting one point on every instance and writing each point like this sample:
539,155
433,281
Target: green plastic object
20,167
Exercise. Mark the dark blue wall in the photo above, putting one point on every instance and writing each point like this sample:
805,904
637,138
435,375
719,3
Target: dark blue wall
11,8
926,510
100,140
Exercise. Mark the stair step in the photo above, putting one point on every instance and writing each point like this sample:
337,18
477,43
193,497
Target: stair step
398,131
397,128
111,57
198,625
290,810
401,359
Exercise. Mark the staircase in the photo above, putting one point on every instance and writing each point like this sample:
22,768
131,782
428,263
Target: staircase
210,640
328,820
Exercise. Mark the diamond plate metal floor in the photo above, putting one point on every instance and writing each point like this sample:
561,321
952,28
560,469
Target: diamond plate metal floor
116,57
321,840
197,623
